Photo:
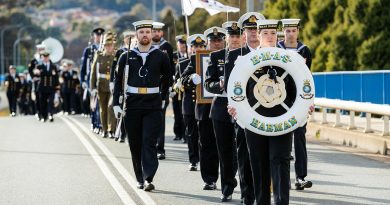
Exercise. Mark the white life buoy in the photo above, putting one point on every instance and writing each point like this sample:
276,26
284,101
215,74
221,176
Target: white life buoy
270,93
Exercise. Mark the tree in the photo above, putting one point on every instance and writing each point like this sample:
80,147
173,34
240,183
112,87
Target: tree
125,22
140,11
170,31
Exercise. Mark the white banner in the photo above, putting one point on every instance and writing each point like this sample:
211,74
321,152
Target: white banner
211,6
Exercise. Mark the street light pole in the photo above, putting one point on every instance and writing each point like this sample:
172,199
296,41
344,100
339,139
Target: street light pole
18,48
2,71
14,51
154,10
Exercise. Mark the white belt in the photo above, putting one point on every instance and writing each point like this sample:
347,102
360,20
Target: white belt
105,76
142,90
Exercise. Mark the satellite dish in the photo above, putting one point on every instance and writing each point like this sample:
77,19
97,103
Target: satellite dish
55,48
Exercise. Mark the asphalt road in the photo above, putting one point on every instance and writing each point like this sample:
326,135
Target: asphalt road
64,163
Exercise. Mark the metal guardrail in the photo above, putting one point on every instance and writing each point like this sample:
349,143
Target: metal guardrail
353,107
358,86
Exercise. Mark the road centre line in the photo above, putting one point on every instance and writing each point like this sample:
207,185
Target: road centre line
115,162
120,191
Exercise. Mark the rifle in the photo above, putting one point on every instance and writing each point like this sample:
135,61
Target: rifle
118,131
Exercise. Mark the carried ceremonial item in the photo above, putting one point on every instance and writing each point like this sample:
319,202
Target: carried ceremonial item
256,90
118,131
202,62
55,48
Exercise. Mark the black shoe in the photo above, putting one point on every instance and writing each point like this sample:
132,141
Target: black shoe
104,134
148,186
247,201
51,119
209,186
184,141
112,135
116,138
226,198
122,140
176,138
161,156
140,185
301,184
193,167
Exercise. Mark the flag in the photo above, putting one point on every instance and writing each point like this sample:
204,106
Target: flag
211,6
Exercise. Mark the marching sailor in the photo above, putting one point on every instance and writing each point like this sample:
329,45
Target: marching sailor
35,78
269,155
48,86
85,73
70,82
248,23
221,121
126,43
178,56
188,83
143,75
160,43
12,85
291,33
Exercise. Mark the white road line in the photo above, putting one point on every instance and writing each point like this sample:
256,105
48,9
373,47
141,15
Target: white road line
118,166
123,195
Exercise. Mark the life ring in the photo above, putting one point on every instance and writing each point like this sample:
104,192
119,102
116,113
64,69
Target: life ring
267,94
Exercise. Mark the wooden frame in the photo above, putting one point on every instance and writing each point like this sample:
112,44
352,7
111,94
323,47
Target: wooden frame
202,62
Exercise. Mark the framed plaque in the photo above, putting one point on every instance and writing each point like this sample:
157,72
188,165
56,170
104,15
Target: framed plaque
202,62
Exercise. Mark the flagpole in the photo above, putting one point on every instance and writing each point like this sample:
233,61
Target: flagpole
250,6
187,29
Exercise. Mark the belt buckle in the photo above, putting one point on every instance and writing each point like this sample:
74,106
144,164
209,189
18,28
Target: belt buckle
142,90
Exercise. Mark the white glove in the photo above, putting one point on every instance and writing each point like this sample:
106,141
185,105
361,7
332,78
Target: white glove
94,92
84,85
172,94
117,111
163,104
221,81
196,79
111,87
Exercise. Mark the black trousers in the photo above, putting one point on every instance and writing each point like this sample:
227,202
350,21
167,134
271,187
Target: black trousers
161,136
226,146
123,130
46,103
37,103
11,95
300,152
178,125
85,103
69,101
270,157
244,167
209,162
24,106
192,138
143,127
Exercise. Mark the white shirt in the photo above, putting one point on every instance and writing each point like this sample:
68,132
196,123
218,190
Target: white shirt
184,55
47,66
252,49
